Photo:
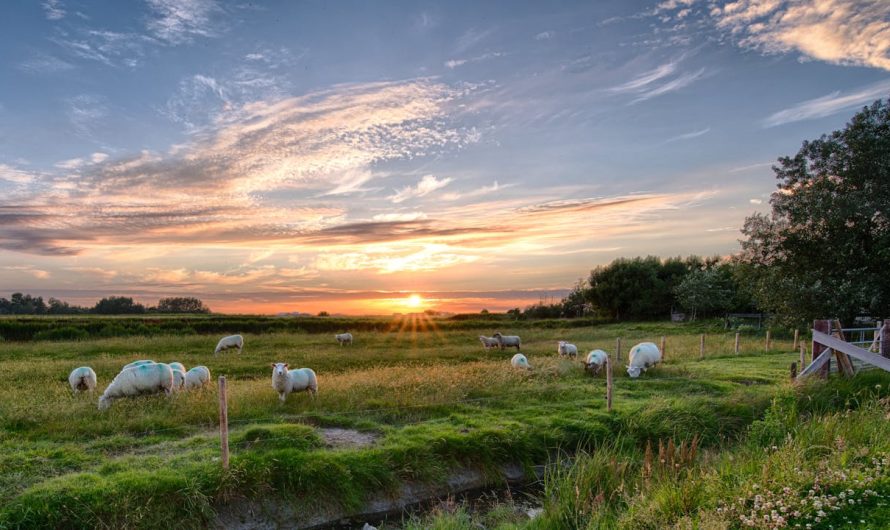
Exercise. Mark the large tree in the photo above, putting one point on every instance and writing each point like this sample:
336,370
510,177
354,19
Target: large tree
182,304
823,249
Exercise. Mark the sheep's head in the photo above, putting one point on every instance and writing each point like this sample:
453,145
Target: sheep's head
633,371
497,335
279,369
104,403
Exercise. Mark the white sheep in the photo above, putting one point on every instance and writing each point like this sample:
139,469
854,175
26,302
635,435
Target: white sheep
178,379
642,357
505,341
178,366
285,381
565,348
596,359
136,380
137,363
197,377
344,338
232,341
489,342
82,379
519,361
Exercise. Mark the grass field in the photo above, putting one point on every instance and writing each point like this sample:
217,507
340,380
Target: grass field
433,401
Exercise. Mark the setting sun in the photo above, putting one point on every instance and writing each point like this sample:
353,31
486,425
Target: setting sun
414,301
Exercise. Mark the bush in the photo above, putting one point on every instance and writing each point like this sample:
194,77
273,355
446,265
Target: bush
62,333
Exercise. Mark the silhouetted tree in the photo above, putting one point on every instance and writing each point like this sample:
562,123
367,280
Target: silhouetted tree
181,305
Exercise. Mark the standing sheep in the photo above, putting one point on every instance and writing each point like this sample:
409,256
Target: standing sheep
178,366
197,377
489,342
565,348
232,341
596,359
178,379
344,338
136,380
642,357
137,363
505,341
285,381
519,361
82,379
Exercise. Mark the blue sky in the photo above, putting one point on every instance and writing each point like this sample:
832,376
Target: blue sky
275,156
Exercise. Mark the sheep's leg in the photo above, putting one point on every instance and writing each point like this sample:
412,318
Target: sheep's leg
282,396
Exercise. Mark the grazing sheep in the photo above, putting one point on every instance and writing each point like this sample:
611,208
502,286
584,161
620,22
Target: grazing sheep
136,380
596,359
285,381
642,357
197,377
508,341
232,341
178,366
519,361
489,342
565,348
344,338
137,363
178,379
82,379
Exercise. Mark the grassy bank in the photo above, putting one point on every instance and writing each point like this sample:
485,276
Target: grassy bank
434,400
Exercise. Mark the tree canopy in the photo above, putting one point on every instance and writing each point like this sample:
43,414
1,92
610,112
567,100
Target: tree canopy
822,250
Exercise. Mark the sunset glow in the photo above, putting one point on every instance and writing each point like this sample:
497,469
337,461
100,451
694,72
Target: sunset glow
288,157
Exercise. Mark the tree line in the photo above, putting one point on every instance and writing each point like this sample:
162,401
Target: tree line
25,304
820,253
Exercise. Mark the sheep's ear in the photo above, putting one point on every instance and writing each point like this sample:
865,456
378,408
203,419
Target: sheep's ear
273,365
286,365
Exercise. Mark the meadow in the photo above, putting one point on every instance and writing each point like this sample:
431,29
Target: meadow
426,401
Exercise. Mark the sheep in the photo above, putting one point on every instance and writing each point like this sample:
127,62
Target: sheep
197,377
232,341
137,363
82,379
519,361
344,338
488,342
508,340
565,348
178,366
596,359
178,379
285,381
642,357
142,379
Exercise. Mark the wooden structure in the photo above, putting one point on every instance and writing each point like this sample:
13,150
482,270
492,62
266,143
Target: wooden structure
743,316
829,339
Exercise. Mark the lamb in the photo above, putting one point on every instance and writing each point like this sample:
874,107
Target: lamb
136,380
178,366
519,361
508,340
197,377
285,381
642,357
488,342
82,379
137,363
232,341
565,348
596,359
344,338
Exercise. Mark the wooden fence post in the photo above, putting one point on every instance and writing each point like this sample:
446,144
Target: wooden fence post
767,340
794,370
608,384
618,350
796,339
825,327
885,339
663,345
701,347
737,343
223,422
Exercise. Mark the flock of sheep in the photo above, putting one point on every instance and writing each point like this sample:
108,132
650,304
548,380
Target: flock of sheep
643,356
150,377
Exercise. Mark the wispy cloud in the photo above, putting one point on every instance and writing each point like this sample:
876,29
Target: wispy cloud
673,85
427,185
689,135
646,78
53,9
656,82
471,38
454,63
479,192
836,31
545,35
44,63
829,104
85,112
180,21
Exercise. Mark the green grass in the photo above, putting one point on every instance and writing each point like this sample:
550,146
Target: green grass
435,400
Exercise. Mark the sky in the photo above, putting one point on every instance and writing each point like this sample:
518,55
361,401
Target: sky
341,156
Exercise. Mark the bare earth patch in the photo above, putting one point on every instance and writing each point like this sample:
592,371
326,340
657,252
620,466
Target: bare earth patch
338,438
